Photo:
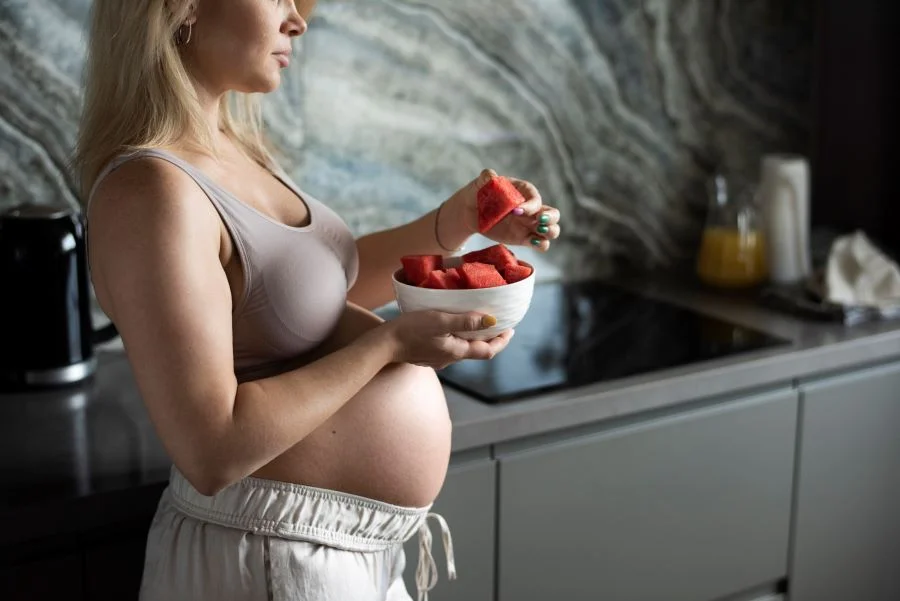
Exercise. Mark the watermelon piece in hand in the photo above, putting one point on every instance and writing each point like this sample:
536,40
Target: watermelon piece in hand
495,200
442,280
515,273
417,267
497,255
480,275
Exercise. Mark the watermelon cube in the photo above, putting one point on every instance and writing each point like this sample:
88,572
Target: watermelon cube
480,275
454,279
497,255
417,267
440,279
514,273
495,200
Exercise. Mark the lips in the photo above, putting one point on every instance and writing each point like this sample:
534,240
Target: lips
283,58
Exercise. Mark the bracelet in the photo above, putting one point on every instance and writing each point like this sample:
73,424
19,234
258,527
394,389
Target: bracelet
437,238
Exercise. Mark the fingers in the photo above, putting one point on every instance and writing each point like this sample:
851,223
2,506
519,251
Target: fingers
488,349
530,207
499,342
465,322
537,243
533,201
533,204
545,228
548,232
484,177
458,349
548,215
541,220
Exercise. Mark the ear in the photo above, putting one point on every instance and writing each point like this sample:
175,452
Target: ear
187,8
192,13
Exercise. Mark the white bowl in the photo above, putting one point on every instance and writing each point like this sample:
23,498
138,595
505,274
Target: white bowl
507,303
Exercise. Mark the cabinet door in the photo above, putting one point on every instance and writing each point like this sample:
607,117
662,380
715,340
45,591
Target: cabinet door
113,571
51,578
847,527
467,503
683,508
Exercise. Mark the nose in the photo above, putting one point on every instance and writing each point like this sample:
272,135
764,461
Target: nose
295,25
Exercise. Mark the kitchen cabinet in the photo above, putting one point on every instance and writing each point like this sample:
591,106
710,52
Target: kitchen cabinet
688,507
467,502
94,565
847,524
52,578
113,569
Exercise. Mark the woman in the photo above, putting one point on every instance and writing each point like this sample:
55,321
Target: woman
308,437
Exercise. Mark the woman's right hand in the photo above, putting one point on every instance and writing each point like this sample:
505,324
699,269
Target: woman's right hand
425,338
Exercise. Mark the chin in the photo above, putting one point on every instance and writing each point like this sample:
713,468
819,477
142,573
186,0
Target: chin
263,84
271,87
271,83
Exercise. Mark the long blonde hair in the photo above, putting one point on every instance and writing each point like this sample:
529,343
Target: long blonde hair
139,95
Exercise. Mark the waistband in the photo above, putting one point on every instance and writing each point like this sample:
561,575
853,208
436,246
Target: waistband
332,518
298,512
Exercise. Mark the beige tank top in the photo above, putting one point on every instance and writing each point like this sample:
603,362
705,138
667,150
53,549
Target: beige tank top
295,278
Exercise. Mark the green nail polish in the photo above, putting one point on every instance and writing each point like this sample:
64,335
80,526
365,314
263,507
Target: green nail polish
535,241
544,219
542,229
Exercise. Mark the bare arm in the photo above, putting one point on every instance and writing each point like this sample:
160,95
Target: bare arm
154,244
380,252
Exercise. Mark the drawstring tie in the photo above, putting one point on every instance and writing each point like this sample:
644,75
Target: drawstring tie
426,570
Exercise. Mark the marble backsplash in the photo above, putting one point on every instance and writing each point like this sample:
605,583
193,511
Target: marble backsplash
617,109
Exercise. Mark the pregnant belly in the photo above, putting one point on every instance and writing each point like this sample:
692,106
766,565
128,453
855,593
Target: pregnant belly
390,442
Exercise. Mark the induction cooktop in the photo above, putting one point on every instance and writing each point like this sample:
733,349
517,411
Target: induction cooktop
581,333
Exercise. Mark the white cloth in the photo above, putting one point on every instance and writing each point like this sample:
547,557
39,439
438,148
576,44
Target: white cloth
262,540
860,275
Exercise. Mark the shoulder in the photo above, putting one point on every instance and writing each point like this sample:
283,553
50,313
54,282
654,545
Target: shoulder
148,194
149,186
148,222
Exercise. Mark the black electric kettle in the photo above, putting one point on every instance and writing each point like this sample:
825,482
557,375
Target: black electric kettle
47,336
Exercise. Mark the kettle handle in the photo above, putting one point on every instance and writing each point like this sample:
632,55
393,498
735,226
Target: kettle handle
104,334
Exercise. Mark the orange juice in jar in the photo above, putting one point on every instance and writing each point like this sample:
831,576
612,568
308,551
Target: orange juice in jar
731,258
732,251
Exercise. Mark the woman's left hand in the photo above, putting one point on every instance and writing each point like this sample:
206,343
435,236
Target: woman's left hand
532,223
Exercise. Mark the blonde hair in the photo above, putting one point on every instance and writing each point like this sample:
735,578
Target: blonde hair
138,93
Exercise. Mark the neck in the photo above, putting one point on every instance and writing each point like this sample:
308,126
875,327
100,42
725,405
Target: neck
209,95
209,103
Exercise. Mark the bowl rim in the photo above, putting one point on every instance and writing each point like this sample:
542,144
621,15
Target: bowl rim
465,290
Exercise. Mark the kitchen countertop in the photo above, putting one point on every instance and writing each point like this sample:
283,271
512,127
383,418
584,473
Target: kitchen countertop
815,349
76,459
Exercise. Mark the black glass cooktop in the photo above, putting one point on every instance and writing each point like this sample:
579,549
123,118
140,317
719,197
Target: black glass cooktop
587,332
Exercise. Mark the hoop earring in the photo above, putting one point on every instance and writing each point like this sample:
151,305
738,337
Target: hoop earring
180,38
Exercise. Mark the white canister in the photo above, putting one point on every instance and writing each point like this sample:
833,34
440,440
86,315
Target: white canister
784,198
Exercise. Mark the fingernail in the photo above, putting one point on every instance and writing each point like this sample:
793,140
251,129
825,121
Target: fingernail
535,241
543,229
544,218
488,321
518,211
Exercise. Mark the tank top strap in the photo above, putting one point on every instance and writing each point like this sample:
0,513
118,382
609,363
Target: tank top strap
195,174
233,213
107,169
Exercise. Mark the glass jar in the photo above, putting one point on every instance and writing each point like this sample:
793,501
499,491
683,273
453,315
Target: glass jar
732,251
